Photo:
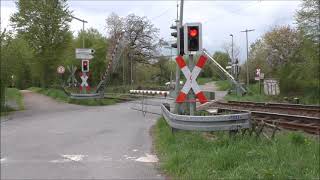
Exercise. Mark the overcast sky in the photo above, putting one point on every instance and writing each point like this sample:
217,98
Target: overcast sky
219,18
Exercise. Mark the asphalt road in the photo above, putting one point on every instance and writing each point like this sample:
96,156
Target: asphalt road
53,140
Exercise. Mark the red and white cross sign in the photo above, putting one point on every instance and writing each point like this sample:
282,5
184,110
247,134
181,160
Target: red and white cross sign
84,83
258,72
191,79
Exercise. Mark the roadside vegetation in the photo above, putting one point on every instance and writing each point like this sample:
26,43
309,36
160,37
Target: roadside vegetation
195,155
61,96
203,80
13,101
255,95
223,85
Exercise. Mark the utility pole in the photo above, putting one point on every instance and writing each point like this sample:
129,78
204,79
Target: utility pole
83,21
247,63
231,48
177,85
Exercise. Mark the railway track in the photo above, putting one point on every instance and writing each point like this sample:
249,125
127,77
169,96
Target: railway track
287,116
283,108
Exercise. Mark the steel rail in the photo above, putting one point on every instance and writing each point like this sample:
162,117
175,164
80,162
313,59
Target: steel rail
296,122
279,108
282,105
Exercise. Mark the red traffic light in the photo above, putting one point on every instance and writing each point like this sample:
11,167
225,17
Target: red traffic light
193,32
85,66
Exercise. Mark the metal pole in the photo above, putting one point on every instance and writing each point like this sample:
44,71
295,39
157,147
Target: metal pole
247,63
131,70
83,21
191,96
177,85
231,48
181,12
83,34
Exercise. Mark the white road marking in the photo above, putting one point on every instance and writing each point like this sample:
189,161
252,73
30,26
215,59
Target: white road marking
148,158
74,157
2,159
129,157
69,158
135,150
60,161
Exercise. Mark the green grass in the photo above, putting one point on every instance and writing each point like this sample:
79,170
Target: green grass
254,95
12,95
189,155
61,96
203,80
223,85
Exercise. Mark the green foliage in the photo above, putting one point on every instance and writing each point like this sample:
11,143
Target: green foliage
18,59
308,19
203,80
44,24
12,101
223,85
210,70
194,155
13,96
252,95
284,54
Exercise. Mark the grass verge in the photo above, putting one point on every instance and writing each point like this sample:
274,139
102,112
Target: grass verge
61,96
189,155
13,94
14,101
223,85
203,80
255,95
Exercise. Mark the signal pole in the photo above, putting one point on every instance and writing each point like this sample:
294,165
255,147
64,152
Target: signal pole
177,85
83,21
231,48
247,63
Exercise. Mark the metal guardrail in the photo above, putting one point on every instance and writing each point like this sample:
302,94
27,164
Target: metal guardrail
207,123
85,96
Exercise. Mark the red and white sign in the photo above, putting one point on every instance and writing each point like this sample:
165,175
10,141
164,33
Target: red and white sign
191,77
61,70
84,83
258,71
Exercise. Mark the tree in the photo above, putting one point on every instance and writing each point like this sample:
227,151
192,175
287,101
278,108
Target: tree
140,36
308,19
282,44
44,24
228,49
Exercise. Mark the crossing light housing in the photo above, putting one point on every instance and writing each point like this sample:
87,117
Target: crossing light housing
174,34
85,65
192,38
179,34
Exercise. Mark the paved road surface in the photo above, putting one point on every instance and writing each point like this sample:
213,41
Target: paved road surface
52,140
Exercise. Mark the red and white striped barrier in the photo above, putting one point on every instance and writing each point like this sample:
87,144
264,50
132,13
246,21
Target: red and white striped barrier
191,77
151,92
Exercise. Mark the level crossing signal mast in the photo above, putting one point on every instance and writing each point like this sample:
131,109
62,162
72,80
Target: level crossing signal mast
85,65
